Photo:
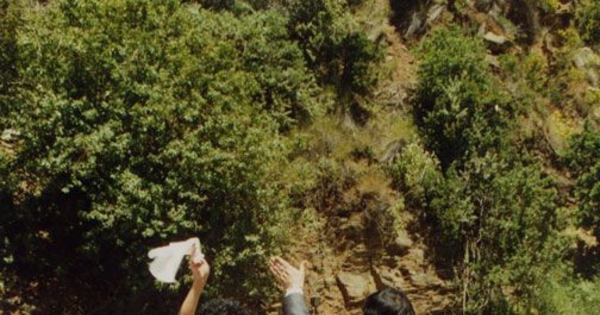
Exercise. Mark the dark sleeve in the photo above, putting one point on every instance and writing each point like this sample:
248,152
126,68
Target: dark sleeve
294,304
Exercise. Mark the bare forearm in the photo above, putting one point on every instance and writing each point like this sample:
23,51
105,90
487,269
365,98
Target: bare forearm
200,269
190,304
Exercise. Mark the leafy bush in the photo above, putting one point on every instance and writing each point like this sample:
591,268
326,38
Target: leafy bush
494,222
332,45
356,54
287,91
493,211
502,218
587,18
10,21
10,12
144,122
218,4
583,161
416,173
569,296
457,110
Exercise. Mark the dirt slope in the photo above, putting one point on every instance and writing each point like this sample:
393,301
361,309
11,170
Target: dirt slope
349,256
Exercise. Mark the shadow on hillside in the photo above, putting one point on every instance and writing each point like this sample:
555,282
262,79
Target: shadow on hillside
409,16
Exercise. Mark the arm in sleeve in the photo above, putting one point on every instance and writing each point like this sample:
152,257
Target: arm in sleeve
293,304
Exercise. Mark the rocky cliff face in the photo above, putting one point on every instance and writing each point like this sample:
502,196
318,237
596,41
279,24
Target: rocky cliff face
348,237
349,261
352,251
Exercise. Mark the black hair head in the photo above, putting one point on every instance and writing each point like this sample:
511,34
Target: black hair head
222,307
388,301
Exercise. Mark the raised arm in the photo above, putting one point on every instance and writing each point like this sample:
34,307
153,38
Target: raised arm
200,270
291,279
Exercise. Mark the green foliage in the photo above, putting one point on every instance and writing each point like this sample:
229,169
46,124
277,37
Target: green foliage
416,173
287,90
583,161
10,11
569,296
587,19
144,122
495,222
548,6
457,110
494,212
356,54
10,21
217,4
312,25
499,221
333,46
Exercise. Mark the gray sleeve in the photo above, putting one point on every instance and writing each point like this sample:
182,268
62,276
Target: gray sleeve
294,304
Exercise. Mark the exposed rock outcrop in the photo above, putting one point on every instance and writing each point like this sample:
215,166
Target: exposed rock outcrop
586,60
354,287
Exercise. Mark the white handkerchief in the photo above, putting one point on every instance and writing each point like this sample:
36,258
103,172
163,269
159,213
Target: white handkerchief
167,259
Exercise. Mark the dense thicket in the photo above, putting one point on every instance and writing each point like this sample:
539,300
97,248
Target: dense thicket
143,122
460,114
583,160
588,21
134,123
9,22
493,211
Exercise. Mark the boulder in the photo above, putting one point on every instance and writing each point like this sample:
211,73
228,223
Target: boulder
586,60
495,39
583,57
497,44
417,25
354,287
434,13
388,277
425,281
401,244
392,150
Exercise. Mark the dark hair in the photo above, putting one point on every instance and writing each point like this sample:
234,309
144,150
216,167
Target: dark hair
388,301
222,307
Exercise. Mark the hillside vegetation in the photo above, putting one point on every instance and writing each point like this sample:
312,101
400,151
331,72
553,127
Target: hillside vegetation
447,147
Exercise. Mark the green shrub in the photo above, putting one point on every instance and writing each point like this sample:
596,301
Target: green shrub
416,173
583,160
356,54
494,221
569,296
493,209
218,4
502,219
144,122
457,109
587,19
10,21
333,45
287,90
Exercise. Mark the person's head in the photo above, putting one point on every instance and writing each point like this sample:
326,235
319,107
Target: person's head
222,307
388,301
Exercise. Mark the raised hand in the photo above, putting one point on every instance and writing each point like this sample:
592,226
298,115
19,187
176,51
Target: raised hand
200,267
288,276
